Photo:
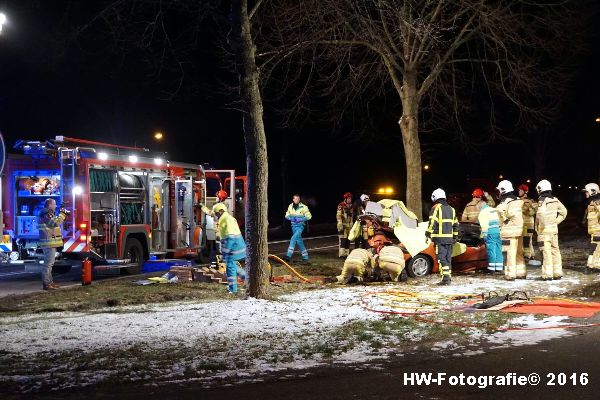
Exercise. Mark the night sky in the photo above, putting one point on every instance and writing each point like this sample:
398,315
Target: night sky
86,88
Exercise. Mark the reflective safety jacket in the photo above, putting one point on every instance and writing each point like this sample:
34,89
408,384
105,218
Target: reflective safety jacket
550,213
489,219
529,210
298,215
511,217
593,218
49,228
228,226
472,210
443,225
345,214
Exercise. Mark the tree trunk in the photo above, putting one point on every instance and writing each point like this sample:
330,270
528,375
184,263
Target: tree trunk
256,152
409,125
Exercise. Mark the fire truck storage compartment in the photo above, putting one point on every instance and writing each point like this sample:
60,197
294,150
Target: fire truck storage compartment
103,211
31,189
132,196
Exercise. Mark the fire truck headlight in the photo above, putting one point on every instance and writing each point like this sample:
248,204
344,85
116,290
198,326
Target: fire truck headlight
102,156
133,158
77,190
158,161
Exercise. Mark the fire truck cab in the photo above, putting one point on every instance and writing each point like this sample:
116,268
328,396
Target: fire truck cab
126,205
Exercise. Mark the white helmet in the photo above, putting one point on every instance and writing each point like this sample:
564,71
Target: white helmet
505,187
543,186
438,194
364,197
591,189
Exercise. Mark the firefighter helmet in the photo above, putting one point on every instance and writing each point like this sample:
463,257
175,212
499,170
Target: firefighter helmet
591,189
543,186
222,195
220,207
347,195
477,193
364,197
523,187
438,194
505,187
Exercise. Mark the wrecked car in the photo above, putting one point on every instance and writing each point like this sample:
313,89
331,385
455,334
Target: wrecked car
391,222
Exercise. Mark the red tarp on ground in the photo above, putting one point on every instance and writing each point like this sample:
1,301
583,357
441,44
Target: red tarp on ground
556,307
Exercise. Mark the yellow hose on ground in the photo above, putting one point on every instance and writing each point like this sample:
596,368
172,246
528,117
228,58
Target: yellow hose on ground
289,267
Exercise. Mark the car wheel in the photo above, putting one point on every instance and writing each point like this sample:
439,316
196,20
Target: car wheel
419,265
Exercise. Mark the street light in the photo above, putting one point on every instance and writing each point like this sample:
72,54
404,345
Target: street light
2,20
426,167
597,119
158,136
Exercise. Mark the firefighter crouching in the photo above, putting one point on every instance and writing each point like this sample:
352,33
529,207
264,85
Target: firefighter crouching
50,238
443,231
529,211
233,246
345,220
592,193
510,209
358,264
550,213
390,260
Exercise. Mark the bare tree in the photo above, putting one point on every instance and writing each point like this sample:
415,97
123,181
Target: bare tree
434,56
256,149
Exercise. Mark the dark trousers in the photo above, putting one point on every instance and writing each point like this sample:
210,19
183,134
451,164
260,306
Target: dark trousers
443,252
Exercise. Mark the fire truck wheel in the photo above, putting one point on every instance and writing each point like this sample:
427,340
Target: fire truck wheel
135,253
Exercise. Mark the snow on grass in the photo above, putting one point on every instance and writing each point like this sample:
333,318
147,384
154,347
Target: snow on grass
242,340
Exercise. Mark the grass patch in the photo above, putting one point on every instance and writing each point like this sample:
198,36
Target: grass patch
114,293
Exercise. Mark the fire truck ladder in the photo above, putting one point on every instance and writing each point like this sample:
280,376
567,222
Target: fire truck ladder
67,171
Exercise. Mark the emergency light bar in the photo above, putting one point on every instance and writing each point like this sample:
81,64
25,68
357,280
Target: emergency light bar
34,147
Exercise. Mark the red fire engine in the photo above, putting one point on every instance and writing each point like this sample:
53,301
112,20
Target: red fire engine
126,204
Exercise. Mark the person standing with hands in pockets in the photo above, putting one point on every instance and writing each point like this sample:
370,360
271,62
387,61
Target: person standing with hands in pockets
298,214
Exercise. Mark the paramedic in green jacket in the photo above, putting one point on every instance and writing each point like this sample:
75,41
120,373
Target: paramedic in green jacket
50,238
298,214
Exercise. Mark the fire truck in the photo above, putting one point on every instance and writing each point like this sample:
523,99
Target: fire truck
126,204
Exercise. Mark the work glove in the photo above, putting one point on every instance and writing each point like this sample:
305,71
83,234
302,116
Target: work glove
340,228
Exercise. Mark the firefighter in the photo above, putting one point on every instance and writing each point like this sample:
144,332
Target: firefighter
550,213
510,210
473,208
592,193
212,244
345,220
490,232
221,197
50,238
233,247
390,259
298,214
361,236
529,211
443,231
357,266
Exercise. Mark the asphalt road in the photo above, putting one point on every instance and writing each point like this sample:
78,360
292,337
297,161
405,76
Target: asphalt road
15,279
